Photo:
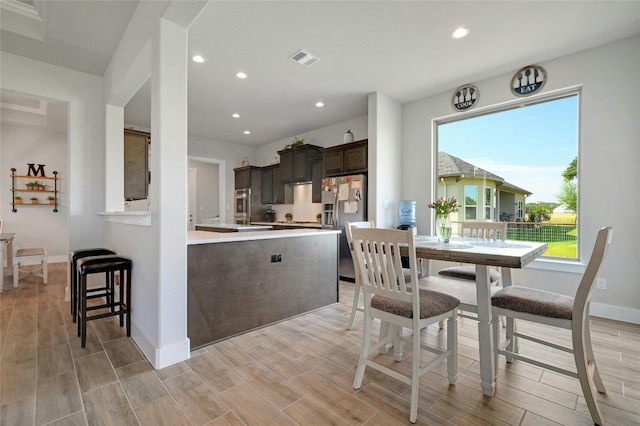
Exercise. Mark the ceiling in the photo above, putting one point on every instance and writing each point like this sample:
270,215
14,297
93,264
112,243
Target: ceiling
402,49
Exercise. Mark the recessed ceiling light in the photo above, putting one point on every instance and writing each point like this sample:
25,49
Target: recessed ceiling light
319,104
246,132
235,115
241,75
197,58
460,33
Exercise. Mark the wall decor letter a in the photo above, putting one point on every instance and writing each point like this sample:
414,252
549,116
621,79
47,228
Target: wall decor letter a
36,172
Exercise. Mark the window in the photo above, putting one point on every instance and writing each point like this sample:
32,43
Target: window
524,158
489,203
470,202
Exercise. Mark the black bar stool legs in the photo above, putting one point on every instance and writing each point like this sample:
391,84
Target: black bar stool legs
121,305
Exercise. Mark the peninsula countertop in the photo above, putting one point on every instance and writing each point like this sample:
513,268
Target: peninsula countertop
206,237
309,224
231,227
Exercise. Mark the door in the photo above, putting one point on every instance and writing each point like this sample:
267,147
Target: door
193,202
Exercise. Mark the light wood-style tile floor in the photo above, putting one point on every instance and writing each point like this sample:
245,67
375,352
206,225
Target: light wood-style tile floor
299,371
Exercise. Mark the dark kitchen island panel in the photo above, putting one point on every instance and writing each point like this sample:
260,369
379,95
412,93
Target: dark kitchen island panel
234,286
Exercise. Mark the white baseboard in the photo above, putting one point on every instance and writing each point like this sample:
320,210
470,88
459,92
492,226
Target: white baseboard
160,357
616,313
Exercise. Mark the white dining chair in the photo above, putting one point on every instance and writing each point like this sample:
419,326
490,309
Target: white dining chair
348,226
490,231
556,310
388,297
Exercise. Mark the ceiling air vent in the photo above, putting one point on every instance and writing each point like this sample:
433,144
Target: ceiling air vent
304,58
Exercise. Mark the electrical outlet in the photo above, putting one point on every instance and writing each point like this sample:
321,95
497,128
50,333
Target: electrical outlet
601,283
276,258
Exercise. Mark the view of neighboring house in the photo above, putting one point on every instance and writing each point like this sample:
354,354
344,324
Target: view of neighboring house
481,194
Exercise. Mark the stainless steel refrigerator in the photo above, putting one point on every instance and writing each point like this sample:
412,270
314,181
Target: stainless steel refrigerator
344,199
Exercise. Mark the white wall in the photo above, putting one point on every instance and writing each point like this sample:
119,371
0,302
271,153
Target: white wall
85,176
35,226
609,152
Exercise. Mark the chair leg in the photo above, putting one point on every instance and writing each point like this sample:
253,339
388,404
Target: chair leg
82,316
16,274
496,340
364,352
511,338
452,345
74,291
354,308
127,293
45,271
582,368
415,376
591,359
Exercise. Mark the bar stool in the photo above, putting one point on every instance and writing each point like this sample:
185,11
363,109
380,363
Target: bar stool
109,264
26,256
74,256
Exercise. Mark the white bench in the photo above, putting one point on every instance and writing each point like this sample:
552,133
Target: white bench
29,256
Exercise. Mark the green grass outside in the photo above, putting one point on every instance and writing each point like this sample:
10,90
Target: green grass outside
566,249
561,239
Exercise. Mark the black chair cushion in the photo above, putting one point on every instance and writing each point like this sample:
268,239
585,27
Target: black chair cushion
97,264
80,253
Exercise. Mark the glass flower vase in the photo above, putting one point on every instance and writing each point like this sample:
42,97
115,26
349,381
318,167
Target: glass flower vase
444,228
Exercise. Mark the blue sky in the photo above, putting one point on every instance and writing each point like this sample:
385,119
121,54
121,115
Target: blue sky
529,147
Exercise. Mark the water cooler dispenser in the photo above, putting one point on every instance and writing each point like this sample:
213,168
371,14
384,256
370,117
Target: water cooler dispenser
406,220
406,214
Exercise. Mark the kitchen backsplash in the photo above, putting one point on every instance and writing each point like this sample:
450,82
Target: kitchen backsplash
302,208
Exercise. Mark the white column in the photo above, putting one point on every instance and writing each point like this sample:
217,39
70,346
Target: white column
169,168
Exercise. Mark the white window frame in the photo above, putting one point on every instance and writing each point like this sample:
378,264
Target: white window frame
466,206
552,264
490,206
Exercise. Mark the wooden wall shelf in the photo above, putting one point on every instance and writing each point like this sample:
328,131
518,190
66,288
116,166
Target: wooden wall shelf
18,186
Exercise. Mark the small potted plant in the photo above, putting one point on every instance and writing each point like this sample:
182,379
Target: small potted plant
34,200
297,142
319,217
17,199
288,217
30,186
52,199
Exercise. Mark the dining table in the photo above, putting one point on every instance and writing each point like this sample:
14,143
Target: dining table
483,253
6,239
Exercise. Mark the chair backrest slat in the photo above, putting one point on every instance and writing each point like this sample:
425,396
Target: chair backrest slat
378,253
485,230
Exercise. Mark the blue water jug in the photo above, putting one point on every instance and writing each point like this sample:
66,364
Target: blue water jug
407,212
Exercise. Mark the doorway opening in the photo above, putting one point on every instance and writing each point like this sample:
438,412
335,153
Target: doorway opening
207,184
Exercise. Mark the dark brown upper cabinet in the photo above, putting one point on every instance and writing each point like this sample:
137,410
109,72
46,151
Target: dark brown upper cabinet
273,190
295,163
346,159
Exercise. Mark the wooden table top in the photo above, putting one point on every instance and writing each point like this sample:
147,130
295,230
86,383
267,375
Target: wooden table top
510,254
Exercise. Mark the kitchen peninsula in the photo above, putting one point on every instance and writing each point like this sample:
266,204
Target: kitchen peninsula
231,227
240,281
